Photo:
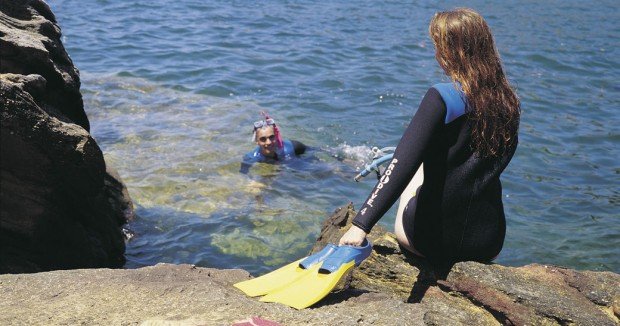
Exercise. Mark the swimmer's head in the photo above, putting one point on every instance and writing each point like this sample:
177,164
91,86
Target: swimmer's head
267,135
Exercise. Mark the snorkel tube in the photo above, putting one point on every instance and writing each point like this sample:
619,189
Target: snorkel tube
379,158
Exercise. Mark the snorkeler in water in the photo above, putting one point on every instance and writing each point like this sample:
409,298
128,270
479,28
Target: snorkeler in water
270,145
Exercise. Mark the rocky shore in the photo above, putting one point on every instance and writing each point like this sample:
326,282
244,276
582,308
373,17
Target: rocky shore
63,209
388,288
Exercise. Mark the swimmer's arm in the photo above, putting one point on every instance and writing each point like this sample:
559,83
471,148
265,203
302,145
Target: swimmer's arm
245,167
428,120
299,147
247,162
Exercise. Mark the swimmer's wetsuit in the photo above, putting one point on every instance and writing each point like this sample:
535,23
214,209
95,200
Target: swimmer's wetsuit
289,149
458,213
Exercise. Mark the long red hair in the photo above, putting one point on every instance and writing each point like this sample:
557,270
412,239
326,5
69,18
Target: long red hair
466,51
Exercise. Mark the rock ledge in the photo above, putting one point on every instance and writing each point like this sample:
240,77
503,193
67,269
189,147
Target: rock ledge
388,288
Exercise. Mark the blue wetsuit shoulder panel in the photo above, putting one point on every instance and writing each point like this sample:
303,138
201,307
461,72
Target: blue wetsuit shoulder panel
454,100
254,156
288,150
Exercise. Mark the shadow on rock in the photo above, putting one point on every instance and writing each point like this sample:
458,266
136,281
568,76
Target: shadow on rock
472,293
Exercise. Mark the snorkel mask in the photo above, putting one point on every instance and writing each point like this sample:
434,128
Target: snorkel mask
267,121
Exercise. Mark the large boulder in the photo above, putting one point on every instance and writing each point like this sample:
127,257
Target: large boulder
61,206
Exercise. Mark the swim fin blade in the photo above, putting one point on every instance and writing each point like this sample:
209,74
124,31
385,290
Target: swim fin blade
310,288
285,275
273,280
322,278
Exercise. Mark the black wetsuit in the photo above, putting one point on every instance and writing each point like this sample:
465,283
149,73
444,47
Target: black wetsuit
458,213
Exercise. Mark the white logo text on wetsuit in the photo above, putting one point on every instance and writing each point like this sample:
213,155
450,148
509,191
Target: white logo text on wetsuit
382,182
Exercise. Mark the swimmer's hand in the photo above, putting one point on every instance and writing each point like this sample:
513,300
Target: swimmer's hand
354,237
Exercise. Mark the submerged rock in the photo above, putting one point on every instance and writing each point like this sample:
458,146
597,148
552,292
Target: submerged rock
62,207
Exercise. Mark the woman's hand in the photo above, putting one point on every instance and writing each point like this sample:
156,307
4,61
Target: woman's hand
354,237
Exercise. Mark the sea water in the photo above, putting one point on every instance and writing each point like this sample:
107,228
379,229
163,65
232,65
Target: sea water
171,89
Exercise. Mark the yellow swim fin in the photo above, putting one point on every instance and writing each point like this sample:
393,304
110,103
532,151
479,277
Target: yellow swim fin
303,283
322,278
284,275
310,288
273,280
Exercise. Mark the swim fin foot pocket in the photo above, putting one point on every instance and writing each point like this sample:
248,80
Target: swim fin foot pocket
304,282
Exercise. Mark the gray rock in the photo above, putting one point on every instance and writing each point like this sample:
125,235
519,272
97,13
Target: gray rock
474,293
378,292
170,294
524,293
62,207
30,44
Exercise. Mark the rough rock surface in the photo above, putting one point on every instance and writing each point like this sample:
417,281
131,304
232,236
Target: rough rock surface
474,293
388,288
168,293
61,206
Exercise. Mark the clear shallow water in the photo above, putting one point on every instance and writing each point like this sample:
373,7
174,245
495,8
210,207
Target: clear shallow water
171,90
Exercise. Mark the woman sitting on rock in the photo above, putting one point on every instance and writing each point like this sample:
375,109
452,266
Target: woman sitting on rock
463,135
270,145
